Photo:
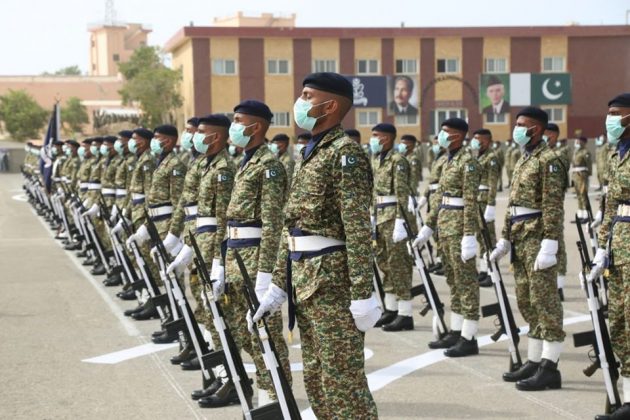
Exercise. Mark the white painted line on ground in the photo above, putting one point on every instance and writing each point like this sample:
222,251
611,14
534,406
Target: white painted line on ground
131,353
20,197
383,377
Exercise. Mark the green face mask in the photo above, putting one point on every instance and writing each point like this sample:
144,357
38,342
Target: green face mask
133,146
118,147
81,152
273,147
519,134
104,150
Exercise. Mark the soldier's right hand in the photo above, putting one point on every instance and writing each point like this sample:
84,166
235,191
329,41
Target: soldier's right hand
422,201
182,260
597,220
599,264
501,250
217,276
423,236
271,302
366,312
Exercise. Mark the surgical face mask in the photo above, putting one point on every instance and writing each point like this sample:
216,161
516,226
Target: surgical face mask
577,145
198,142
118,147
94,150
475,145
133,146
81,152
237,134
104,150
600,141
558,145
546,138
613,126
301,108
156,146
402,148
519,134
298,148
443,140
612,141
54,151
187,141
273,147
232,150
375,145
67,151
495,145
435,149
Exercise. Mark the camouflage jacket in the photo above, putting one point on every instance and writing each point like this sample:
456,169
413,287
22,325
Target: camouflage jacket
331,197
537,183
188,197
69,170
258,196
391,177
166,185
582,158
215,190
515,155
601,157
96,173
499,152
415,171
140,184
434,179
109,167
122,180
460,178
289,166
489,165
83,175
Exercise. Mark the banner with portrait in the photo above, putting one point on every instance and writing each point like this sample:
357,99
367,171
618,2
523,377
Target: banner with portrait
402,95
494,94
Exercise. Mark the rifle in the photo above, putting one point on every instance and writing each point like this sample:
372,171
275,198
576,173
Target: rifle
599,337
427,288
593,237
420,223
502,309
286,404
230,353
376,276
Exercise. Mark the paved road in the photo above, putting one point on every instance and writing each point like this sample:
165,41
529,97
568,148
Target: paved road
54,316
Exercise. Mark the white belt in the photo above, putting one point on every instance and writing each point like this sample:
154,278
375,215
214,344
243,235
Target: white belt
452,201
121,192
65,179
434,187
94,186
111,191
244,232
386,199
579,169
206,221
605,189
623,210
521,211
483,187
136,196
160,211
312,243
83,184
56,179
192,211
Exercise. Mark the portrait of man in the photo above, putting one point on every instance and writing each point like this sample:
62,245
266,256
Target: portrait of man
496,94
402,96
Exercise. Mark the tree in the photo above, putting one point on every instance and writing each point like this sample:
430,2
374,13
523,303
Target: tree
152,84
65,71
74,114
23,117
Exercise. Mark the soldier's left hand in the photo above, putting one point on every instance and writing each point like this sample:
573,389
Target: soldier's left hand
469,247
597,220
411,204
140,237
172,244
365,312
399,232
271,302
92,211
489,214
547,255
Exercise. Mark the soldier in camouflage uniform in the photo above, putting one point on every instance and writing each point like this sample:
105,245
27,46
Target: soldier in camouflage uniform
513,156
408,147
489,166
581,170
279,146
188,153
391,193
326,240
532,229
601,160
499,152
457,219
614,235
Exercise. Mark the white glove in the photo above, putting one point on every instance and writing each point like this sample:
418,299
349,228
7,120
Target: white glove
597,220
489,214
250,322
582,281
547,255
422,201
271,302
92,211
501,250
118,228
469,247
411,204
172,244
60,191
182,260
399,233
140,237
113,213
262,284
423,236
85,202
365,312
217,276
599,264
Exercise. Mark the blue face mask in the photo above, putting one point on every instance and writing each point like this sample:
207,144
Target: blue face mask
198,141
133,146
156,146
375,145
301,108
273,147
104,150
237,134
94,150
475,145
402,148
443,140
614,127
232,150
118,147
187,141
435,149
519,134
81,152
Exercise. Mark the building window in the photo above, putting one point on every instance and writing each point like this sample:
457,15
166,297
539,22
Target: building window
493,118
448,65
495,65
405,66
116,57
325,65
277,66
553,64
369,118
556,115
367,66
281,119
223,67
441,115
407,119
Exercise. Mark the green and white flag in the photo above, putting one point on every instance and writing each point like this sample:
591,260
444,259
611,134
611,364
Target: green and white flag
540,89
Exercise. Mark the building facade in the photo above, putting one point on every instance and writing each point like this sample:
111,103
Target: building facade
413,77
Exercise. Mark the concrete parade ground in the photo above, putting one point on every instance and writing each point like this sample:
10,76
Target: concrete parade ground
68,352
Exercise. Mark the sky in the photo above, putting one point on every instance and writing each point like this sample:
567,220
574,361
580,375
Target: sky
46,35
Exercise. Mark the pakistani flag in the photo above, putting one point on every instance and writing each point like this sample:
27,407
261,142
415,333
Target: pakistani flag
540,89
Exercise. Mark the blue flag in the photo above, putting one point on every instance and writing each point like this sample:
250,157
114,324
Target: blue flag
45,154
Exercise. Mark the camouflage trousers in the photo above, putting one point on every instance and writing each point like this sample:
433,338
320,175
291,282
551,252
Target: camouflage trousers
536,292
394,261
562,256
332,352
235,310
580,182
509,172
101,232
205,241
461,277
619,314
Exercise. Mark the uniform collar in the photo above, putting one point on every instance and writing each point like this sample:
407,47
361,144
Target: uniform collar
536,150
249,154
385,155
453,154
623,147
322,138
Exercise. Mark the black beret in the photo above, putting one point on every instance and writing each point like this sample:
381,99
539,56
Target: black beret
351,132
110,139
125,133
534,113
72,143
144,133
87,141
280,137
583,139
97,139
307,136
194,121
167,130
620,100
219,120
384,128
493,80
456,123
553,127
57,143
255,108
483,132
330,82
409,137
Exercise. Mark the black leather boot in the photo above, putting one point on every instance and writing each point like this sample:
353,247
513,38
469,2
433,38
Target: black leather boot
225,395
546,377
463,348
166,338
113,280
202,393
449,340
526,371
127,295
485,280
387,317
622,413
148,312
561,294
400,323
185,355
130,312
98,270
89,261
191,364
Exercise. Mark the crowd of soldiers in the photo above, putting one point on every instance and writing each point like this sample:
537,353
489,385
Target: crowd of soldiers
300,229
